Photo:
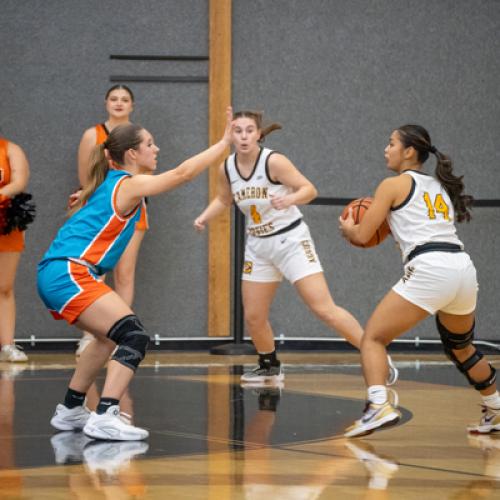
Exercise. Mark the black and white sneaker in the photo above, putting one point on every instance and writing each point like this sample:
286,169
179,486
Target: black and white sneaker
264,374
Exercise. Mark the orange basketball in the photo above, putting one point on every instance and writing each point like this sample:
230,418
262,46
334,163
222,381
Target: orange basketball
359,207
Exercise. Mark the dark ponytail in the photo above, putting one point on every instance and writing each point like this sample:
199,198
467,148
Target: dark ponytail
112,151
417,137
256,116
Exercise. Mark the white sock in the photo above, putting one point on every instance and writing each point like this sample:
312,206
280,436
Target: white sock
377,394
492,401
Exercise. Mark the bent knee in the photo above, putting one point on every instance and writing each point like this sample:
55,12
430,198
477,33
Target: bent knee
375,336
254,321
132,340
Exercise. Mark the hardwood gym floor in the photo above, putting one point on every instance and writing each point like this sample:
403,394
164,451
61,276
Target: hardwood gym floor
211,438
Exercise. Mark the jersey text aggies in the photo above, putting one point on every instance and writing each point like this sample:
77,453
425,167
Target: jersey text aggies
252,195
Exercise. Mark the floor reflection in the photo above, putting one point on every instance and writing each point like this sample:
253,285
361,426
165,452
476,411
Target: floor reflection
212,437
486,487
380,469
12,482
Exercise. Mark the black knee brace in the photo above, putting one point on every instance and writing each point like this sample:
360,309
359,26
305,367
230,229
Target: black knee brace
131,339
456,341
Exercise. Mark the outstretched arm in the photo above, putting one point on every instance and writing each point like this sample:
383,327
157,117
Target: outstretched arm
139,186
222,201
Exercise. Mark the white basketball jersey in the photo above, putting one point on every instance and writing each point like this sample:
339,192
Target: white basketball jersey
427,215
252,195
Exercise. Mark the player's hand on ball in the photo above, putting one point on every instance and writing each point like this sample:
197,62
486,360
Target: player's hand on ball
346,225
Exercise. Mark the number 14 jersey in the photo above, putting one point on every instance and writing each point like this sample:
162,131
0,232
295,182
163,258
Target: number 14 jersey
427,215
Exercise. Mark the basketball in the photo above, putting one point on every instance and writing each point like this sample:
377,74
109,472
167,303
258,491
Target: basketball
359,207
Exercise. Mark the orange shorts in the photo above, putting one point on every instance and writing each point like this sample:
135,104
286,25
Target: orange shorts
143,224
68,288
12,242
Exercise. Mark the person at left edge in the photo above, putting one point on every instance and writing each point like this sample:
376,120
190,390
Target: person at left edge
89,244
14,176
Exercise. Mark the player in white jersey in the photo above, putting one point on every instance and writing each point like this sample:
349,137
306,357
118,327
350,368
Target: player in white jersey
267,188
439,277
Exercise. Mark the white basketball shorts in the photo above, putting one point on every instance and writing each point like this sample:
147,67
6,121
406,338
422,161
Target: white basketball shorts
440,281
291,254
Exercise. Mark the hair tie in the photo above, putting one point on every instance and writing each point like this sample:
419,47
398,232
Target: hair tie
433,150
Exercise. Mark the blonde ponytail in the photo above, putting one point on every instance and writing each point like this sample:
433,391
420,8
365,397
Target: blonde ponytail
99,167
112,151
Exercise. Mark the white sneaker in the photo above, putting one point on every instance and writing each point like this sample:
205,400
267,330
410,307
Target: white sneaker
110,457
83,343
69,419
393,375
374,417
489,422
68,446
111,427
13,353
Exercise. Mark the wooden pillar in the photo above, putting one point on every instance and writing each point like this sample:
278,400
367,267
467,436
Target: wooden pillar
219,232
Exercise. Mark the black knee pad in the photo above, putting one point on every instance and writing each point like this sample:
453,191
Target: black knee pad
454,341
132,341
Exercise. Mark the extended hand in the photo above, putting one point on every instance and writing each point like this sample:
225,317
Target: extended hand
227,137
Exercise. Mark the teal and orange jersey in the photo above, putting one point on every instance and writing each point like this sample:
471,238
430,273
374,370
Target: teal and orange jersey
96,235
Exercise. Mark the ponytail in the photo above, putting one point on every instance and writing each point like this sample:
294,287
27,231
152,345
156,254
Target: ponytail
257,117
417,137
99,168
454,186
267,130
111,152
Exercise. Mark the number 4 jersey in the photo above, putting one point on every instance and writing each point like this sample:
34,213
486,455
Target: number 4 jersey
427,215
252,194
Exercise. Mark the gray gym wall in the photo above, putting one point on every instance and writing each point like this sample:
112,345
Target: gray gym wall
339,75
